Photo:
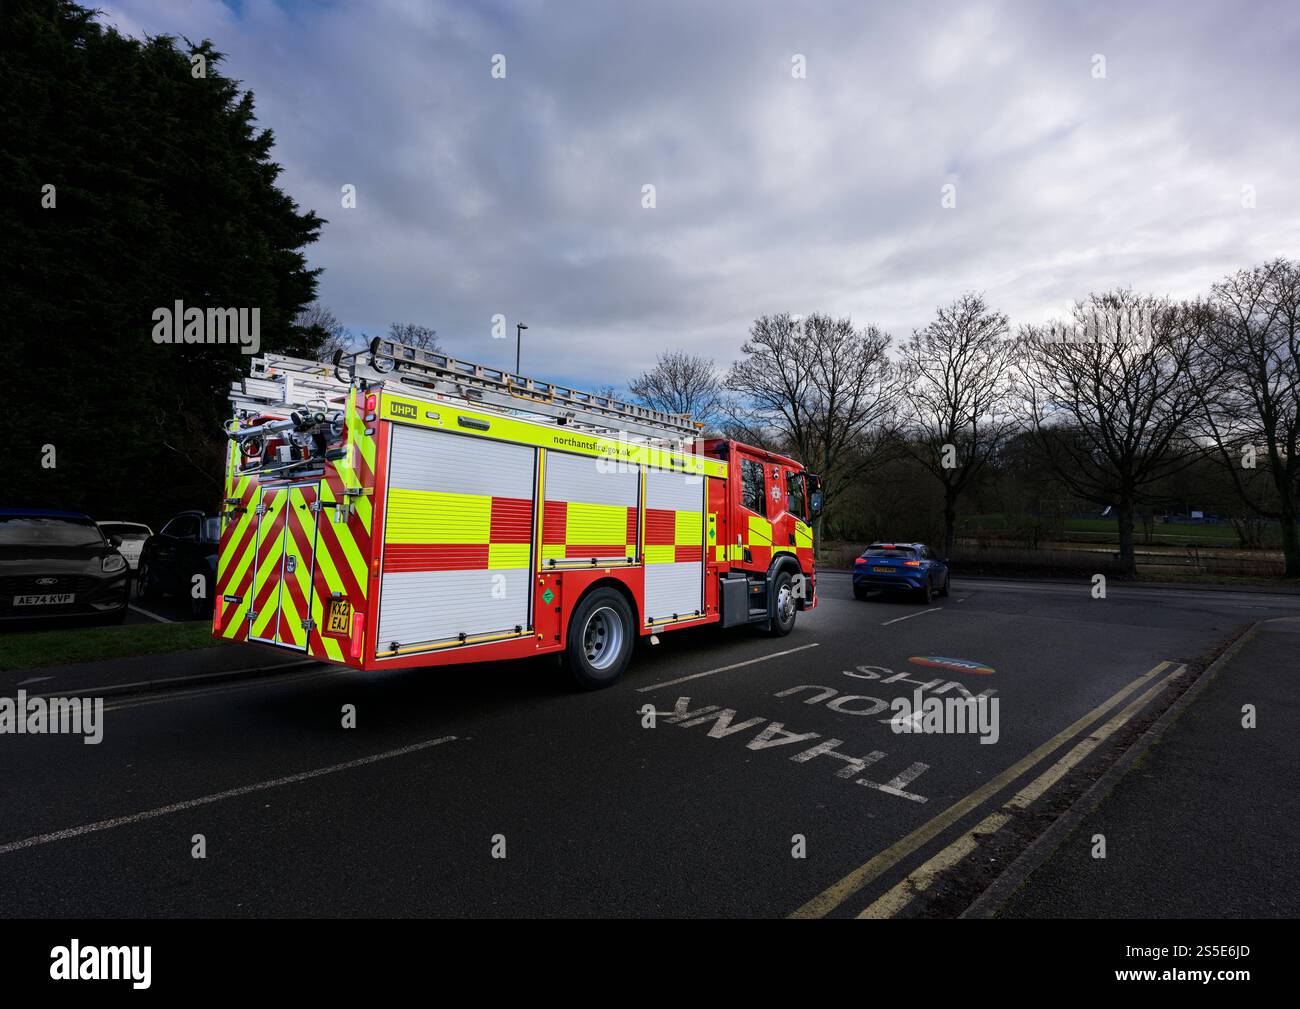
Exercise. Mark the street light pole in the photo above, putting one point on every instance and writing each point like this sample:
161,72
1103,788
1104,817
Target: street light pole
519,334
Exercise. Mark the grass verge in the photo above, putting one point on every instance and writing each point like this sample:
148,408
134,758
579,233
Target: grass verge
84,644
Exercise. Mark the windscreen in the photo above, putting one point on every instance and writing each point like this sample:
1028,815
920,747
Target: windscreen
125,531
43,530
890,552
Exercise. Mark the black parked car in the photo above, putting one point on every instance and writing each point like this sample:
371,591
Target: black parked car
170,559
59,564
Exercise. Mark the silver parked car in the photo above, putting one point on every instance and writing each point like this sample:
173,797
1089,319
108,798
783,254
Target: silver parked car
132,535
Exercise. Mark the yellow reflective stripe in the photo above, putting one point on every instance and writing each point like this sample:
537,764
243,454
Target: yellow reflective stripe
660,553
429,516
803,536
508,555
595,524
760,532
686,529
361,502
357,433
552,550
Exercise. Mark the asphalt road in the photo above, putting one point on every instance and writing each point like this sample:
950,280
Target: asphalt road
595,813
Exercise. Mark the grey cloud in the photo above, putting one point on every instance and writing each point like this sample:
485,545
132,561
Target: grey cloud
522,196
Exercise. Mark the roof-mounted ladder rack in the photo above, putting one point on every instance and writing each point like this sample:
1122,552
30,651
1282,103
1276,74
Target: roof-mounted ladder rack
478,383
279,382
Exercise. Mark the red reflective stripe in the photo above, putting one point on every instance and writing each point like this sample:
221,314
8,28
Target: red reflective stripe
512,520
555,521
270,585
660,527
631,525
688,555
435,557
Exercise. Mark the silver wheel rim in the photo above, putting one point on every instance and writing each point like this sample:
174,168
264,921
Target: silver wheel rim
602,638
785,604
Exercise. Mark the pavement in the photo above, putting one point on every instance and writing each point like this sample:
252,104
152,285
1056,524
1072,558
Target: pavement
148,672
1206,824
728,774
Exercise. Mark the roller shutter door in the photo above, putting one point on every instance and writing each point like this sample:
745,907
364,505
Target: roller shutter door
674,546
457,539
590,512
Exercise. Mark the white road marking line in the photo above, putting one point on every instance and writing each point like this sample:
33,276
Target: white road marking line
34,679
146,613
177,807
723,669
933,609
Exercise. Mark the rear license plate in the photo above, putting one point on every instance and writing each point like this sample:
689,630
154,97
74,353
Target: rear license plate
884,571
49,599
340,618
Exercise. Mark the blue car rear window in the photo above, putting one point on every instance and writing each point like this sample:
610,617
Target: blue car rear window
889,552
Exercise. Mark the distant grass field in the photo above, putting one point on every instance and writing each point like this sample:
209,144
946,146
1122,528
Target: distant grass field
1170,530
1106,530
54,648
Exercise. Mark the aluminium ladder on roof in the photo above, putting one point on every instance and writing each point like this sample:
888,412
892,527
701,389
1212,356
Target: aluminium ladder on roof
278,381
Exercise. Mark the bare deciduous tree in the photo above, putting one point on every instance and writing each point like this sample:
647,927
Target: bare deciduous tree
1110,399
1254,408
414,335
956,389
681,382
824,389
323,323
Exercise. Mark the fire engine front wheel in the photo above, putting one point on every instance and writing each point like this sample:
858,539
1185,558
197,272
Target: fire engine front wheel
601,635
782,622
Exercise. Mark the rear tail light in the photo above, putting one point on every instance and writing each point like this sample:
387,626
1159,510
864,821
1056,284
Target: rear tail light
358,628
912,564
860,560
217,613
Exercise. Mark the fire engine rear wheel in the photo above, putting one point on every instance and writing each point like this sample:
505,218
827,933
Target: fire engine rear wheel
784,610
601,635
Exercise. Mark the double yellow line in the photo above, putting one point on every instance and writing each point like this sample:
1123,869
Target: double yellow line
897,898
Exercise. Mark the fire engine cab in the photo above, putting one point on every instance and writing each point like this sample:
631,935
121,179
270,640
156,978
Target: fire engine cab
403,508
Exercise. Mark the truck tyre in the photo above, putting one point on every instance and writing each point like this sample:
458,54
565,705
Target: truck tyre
783,611
601,635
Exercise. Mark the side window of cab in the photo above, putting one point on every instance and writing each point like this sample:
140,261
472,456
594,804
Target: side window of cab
794,491
752,495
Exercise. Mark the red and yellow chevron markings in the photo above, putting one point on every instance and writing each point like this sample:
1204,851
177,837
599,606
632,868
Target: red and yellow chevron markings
235,554
343,538
299,548
268,562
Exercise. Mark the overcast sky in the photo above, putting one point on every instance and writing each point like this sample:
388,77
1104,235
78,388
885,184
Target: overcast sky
523,196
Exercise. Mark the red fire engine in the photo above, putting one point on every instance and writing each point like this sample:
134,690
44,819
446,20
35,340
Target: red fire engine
403,508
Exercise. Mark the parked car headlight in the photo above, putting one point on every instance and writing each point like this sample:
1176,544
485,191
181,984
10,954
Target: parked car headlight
114,562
